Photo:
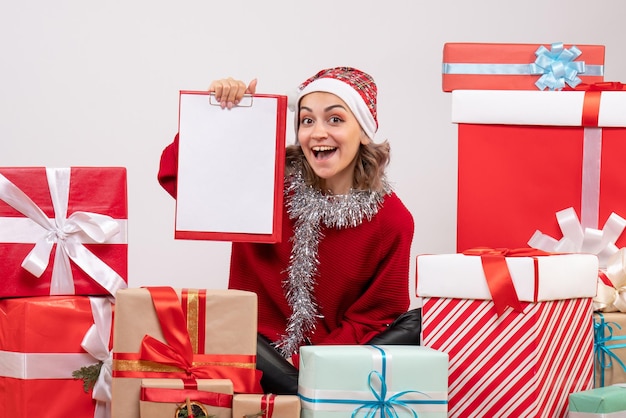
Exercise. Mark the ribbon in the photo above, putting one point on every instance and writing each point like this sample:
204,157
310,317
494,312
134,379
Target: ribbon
267,405
498,276
557,67
176,356
65,231
603,333
611,294
216,399
381,403
96,343
600,242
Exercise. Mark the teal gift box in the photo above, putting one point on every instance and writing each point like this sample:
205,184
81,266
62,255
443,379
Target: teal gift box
606,402
338,381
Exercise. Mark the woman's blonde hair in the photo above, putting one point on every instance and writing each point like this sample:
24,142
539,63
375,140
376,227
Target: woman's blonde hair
369,173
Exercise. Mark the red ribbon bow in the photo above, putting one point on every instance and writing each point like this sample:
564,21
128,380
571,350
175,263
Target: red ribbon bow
178,351
497,273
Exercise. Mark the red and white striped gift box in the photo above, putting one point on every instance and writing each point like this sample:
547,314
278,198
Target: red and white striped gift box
518,363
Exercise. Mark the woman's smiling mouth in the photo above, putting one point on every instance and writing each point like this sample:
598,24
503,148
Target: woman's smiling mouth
322,152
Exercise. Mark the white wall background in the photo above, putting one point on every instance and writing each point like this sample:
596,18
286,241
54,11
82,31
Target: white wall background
96,83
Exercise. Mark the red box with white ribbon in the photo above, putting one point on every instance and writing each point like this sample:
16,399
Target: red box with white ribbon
545,165
501,66
516,324
43,341
63,231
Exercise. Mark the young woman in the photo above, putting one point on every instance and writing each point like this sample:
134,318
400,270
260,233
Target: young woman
340,273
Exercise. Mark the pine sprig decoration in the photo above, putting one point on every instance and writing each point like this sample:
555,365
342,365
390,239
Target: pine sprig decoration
261,413
89,375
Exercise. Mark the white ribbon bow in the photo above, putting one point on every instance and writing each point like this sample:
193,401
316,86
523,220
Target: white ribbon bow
96,343
611,260
68,233
600,242
612,298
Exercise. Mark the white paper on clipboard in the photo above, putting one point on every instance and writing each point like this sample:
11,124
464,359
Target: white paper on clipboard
230,167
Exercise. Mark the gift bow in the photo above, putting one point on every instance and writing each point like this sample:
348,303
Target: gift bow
96,343
498,276
557,66
381,404
64,231
611,294
601,329
600,242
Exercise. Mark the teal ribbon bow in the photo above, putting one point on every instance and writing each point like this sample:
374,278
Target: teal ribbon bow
557,67
603,333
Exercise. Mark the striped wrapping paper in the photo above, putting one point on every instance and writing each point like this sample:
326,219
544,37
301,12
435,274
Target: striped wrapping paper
516,365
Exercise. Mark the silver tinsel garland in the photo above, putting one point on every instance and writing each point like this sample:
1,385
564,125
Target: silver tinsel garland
312,209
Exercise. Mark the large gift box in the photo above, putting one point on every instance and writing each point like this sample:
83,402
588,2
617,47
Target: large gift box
47,344
63,231
610,348
161,332
369,380
516,324
500,66
174,398
266,406
607,402
542,169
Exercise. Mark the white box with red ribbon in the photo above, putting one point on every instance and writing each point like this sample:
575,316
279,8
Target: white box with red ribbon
516,324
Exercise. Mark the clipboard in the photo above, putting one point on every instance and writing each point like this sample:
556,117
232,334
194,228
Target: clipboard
231,165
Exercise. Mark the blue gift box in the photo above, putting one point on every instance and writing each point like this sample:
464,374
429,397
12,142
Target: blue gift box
367,380
606,402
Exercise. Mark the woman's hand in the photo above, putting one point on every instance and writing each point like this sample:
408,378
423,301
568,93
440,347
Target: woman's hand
228,91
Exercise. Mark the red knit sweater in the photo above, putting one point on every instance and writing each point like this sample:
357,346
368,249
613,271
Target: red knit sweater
363,272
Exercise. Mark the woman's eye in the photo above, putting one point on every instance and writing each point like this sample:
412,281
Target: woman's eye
335,119
306,121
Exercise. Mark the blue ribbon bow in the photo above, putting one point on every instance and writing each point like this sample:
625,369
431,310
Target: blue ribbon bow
603,333
557,67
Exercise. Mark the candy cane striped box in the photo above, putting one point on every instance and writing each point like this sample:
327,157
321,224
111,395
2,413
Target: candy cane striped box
519,363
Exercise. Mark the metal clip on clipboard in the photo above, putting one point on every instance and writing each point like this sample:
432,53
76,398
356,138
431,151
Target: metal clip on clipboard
246,100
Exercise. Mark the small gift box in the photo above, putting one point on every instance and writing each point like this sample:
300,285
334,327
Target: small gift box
266,406
161,332
54,355
516,326
174,398
499,66
610,348
607,402
79,214
337,381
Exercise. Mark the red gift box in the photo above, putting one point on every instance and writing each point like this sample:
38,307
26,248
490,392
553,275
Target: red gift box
519,362
535,161
41,345
63,231
498,66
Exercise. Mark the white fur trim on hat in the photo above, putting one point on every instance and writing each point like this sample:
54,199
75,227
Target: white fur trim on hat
346,93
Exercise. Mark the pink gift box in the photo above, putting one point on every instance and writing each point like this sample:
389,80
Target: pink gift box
63,231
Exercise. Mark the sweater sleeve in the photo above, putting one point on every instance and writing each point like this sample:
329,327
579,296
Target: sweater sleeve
387,295
168,167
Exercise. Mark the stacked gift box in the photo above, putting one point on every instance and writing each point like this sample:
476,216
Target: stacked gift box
540,140
64,255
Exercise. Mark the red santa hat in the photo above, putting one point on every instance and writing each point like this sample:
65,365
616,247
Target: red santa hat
356,88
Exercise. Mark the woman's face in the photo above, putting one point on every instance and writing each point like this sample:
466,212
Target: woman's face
330,137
